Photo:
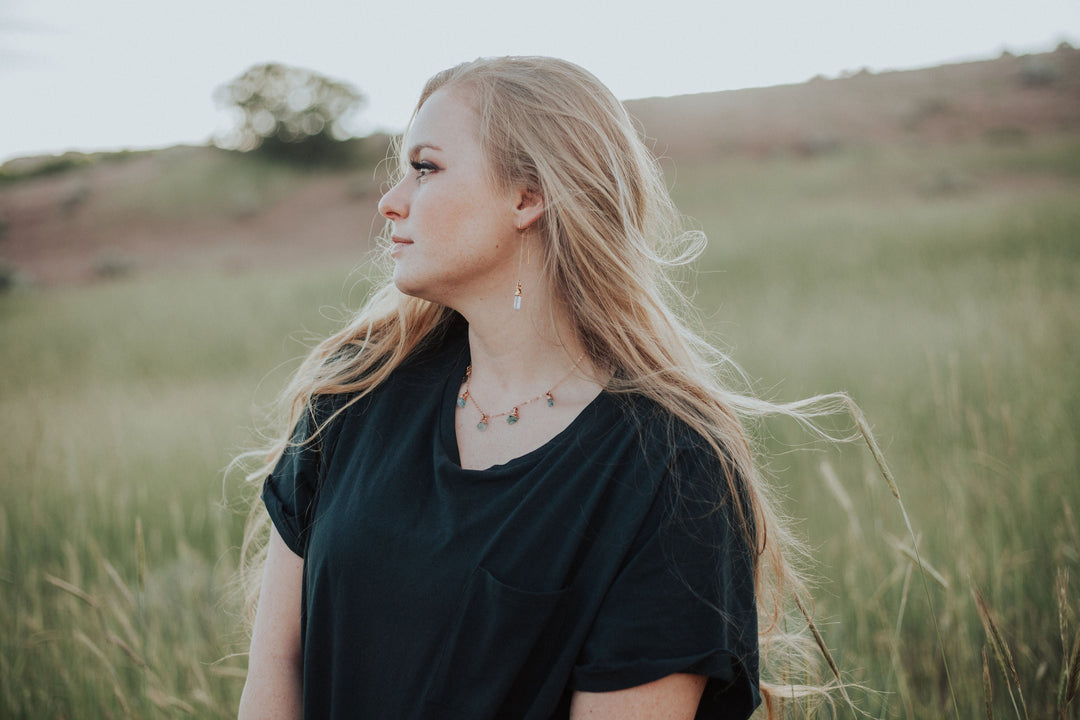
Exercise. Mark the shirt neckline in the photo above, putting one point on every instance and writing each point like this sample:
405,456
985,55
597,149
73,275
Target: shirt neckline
448,432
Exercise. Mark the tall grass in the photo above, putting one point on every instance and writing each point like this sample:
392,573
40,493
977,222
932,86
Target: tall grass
119,407
952,319
948,310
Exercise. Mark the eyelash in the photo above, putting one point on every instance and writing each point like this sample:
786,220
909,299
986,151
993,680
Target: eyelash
423,169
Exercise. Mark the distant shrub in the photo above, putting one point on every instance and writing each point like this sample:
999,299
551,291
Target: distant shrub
819,143
1005,135
933,106
945,183
112,264
863,72
74,198
8,275
11,277
924,109
289,113
1036,71
26,168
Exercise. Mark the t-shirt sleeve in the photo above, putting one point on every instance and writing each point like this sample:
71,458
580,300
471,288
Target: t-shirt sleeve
290,490
683,600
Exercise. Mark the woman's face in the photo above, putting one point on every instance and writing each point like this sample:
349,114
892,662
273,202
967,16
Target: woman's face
455,234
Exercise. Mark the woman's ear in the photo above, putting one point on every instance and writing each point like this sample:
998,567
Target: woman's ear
529,208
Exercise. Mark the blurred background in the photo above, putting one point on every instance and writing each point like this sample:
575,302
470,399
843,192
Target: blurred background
188,200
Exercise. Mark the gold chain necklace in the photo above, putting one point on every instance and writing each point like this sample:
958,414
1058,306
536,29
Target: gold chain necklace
512,416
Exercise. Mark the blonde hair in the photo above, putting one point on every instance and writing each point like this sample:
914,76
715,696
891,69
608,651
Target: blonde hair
609,235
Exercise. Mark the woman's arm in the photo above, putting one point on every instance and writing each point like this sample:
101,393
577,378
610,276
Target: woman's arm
272,689
674,697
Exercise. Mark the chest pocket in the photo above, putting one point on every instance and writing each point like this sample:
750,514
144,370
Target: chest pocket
499,653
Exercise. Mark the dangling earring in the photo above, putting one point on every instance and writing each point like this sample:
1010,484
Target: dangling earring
517,291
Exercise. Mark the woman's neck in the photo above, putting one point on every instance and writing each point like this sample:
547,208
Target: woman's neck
528,380
517,351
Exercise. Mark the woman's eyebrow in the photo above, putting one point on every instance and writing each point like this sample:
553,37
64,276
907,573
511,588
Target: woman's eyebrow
414,151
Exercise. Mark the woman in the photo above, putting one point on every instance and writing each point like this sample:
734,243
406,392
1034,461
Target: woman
513,487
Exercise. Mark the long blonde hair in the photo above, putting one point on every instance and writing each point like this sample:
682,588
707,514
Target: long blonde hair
609,236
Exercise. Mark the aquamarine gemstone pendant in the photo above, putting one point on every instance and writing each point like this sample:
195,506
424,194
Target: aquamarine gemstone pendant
461,401
550,399
512,417
481,426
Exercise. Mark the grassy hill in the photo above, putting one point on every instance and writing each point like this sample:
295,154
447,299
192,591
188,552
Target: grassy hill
79,217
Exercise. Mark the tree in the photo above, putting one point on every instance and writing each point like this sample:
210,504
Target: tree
288,112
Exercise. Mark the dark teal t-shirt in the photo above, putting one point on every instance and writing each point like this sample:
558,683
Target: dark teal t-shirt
605,559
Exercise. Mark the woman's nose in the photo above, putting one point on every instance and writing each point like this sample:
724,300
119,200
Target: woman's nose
393,205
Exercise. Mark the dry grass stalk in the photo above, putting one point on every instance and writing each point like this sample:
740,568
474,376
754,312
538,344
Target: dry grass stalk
128,650
218,667
229,672
124,620
72,590
203,693
904,593
1070,669
118,691
1070,524
910,554
114,575
1063,607
879,458
818,639
1072,685
833,667
1062,586
1010,430
140,554
109,636
832,482
988,687
898,667
165,701
1001,652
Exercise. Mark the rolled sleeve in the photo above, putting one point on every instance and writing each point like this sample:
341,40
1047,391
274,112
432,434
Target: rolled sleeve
290,490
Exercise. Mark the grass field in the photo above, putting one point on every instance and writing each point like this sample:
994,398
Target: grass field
939,286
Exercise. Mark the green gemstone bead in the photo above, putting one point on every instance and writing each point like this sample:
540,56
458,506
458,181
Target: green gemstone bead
461,402
481,426
510,420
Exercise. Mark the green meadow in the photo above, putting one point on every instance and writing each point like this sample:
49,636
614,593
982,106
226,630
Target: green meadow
939,286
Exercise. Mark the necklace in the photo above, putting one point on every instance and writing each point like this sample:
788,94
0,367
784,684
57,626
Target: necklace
512,416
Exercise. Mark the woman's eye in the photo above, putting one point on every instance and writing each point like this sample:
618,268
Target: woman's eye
423,169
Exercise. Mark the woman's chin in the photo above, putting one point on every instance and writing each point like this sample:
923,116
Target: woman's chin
410,285
402,283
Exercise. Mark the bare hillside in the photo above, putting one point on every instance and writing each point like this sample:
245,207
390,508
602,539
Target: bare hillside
191,208
1005,98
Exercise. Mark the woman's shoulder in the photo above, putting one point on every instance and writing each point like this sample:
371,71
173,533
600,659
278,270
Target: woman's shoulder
660,426
696,458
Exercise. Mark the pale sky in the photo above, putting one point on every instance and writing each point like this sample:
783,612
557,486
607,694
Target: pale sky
109,74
